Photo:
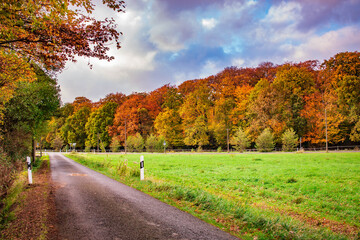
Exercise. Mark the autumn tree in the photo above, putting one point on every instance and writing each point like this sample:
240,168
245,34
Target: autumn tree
168,122
127,116
194,113
168,125
133,116
155,100
117,98
261,109
221,121
242,103
291,86
344,71
54,32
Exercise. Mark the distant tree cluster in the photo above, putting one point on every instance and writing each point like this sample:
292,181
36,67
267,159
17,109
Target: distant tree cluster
263,107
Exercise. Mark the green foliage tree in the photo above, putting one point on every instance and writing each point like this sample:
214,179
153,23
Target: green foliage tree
26,113
289,140
98,123
240,140
74,128
265,142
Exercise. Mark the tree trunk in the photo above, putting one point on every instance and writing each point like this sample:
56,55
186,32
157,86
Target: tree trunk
40,145
33,151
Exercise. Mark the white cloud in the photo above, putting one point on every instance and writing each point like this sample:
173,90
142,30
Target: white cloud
239,62
210,68
208,23
328,44
170,33
284,13
168,36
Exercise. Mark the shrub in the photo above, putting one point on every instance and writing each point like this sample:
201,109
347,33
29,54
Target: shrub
265,142
240,140
160,144
87,146
102,147
57,143
6,173
151,143
155,143
122,168
115,145
135,143
289,140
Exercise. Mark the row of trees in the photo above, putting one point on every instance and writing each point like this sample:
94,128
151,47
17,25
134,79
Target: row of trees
37,38
305,98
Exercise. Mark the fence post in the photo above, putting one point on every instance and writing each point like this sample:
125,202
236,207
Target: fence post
141,167
28,160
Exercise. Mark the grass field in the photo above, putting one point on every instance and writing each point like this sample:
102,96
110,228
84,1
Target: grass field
253,196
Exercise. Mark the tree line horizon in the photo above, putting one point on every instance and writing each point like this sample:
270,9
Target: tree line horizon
207,112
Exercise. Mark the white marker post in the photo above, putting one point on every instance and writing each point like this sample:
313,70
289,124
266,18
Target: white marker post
28,160
141,167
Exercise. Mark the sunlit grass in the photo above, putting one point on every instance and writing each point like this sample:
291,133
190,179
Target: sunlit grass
291,196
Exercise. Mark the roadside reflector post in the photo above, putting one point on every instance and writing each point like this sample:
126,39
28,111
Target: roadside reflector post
141,167
28,160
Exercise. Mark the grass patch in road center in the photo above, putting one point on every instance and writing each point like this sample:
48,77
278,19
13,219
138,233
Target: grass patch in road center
288,196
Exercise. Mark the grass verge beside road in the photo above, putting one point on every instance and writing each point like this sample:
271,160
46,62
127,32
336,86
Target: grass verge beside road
261,196
29,210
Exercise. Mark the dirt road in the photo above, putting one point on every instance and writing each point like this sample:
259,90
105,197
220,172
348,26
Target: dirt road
93,206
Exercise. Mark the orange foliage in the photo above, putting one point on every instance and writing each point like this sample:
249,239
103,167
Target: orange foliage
128,112
53,32
117,98
81,102
155,100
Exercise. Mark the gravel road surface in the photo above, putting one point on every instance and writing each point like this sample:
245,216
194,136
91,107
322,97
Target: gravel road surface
92,206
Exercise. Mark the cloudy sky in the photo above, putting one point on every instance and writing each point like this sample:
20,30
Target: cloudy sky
171,41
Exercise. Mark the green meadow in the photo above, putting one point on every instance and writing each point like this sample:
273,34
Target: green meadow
252,196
